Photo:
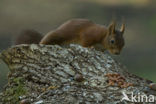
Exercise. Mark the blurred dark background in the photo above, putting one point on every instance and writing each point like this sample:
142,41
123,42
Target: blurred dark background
139,54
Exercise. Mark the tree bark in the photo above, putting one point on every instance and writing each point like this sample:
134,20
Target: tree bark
51,74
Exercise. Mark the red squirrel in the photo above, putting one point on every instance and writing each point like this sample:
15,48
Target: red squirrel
87,34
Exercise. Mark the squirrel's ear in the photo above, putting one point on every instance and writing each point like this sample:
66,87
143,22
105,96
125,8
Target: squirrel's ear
122,28
111,28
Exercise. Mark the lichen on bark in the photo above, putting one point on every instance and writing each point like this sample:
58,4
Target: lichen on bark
52,74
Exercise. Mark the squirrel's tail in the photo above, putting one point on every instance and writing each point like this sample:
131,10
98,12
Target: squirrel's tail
28,37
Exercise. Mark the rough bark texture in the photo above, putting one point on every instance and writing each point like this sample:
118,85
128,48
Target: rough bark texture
49,74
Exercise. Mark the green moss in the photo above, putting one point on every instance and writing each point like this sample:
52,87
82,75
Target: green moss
12,94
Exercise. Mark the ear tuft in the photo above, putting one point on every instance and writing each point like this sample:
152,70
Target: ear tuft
111,27
122,28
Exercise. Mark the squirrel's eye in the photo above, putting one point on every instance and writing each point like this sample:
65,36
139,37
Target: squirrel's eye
112,41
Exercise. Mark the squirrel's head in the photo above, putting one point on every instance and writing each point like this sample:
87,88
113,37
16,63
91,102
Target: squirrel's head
114,40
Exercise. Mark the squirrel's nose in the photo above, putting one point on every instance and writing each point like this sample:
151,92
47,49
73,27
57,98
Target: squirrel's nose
117,53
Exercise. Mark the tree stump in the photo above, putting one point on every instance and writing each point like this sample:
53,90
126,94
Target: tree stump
51,74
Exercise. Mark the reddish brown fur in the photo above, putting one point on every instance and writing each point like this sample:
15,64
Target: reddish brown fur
87,34
68,32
